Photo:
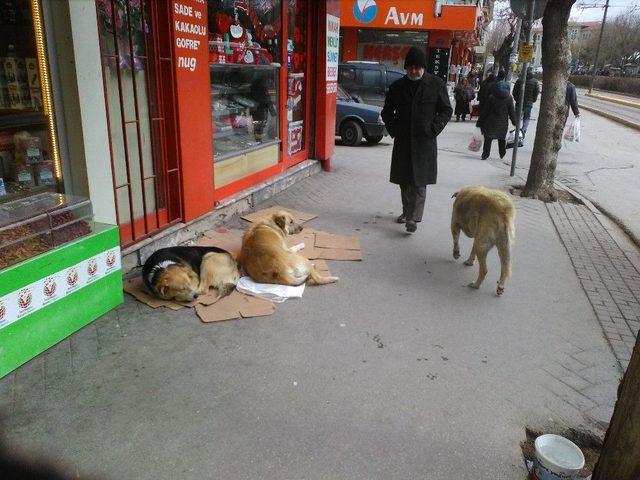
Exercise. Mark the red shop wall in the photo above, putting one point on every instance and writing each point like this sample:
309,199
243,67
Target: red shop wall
191,63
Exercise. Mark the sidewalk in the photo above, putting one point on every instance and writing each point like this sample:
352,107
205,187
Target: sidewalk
426,379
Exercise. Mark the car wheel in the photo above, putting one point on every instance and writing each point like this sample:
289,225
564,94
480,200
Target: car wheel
373,140
351,133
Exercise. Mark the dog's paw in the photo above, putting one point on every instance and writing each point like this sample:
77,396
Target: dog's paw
456,254
473,285
468,263
499,290
297,248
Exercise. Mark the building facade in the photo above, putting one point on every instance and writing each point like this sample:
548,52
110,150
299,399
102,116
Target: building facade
383,31
124,121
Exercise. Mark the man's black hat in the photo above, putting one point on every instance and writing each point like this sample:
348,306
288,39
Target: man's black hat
415,56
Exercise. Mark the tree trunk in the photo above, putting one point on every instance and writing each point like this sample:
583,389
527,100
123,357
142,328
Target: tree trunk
620,456
556,58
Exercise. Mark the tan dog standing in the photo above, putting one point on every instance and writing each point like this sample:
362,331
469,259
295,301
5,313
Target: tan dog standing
266,258
488,217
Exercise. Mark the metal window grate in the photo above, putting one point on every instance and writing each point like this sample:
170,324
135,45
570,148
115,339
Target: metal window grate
136,56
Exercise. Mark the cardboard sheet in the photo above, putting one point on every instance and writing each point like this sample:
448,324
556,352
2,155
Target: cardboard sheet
331,240
337,254
234,306
298,216
230,239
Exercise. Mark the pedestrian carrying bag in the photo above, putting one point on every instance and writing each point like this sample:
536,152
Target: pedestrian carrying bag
511,139
572,133
475,144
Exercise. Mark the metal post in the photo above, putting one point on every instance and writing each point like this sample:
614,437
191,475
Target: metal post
595,61
523,79
514,49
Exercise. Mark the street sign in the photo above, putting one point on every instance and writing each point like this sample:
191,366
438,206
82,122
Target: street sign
525,52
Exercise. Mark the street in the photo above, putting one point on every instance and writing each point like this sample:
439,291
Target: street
625,112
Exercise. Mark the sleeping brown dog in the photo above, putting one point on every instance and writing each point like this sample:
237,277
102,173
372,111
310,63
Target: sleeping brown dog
266,258
184,273
488,217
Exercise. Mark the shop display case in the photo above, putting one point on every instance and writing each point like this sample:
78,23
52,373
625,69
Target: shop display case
244,108
32,225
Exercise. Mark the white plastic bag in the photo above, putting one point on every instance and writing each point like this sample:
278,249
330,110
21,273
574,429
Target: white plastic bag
572,133
475,144
275,293
511,139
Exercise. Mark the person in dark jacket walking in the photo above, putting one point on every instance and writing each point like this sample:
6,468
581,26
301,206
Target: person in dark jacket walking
463,93
531,92
416,109
485,90
494,119
571,101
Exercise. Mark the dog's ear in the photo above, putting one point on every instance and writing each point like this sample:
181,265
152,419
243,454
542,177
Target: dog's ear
280,220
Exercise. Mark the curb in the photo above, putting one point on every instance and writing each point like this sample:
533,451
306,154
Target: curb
626,103
598,210
610,116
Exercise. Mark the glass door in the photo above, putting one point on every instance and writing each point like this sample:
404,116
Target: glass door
298,81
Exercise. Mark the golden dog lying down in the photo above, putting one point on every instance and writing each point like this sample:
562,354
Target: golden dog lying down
488,217
266,258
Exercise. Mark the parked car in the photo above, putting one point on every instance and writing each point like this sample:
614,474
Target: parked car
367,81
356,120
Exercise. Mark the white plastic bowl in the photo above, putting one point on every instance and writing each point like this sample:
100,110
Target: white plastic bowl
559,457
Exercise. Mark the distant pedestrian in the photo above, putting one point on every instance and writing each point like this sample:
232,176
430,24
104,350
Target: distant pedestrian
485,88
571,101
463,94
531,92
416,109
494,119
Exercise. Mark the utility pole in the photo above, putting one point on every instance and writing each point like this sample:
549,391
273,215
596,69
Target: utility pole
513,59
595,61
523,80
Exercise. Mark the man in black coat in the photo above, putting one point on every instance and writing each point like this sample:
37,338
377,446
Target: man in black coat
416,109
531,92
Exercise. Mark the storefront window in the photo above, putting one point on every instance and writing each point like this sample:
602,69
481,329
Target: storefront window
296,77
389,46
28,163
35,216
245,54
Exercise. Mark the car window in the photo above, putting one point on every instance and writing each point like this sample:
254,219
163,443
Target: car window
342,95
347,75
369,78
393,76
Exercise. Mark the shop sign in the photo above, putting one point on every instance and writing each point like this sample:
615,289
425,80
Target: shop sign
190,27
405,15
438,63
47,290
333,47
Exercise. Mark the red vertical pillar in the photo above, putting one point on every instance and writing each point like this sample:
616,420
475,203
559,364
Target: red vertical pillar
328,31
193,105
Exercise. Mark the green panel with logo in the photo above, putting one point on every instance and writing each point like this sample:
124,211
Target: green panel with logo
76,284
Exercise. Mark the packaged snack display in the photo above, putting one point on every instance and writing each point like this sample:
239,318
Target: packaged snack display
38,223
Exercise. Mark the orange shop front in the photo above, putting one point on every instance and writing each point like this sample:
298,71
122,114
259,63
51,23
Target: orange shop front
207,99
384,30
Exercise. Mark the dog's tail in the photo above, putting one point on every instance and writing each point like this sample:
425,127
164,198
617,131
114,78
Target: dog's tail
319,279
